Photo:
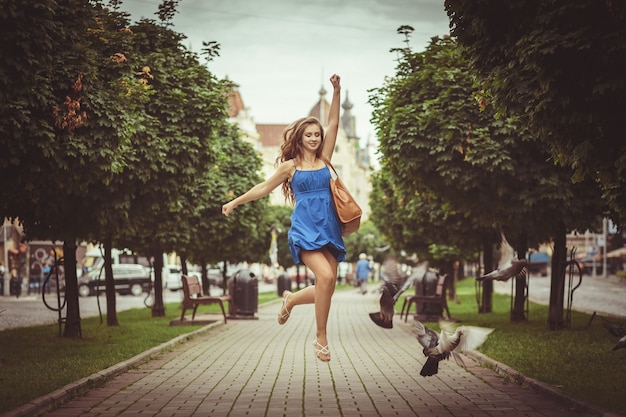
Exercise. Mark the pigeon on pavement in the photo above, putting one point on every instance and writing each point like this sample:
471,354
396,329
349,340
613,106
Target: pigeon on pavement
439,347
508,265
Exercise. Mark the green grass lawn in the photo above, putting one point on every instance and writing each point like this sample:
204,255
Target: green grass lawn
35,361
578,360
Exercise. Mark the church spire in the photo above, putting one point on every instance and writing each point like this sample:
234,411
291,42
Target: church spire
348,120
323,110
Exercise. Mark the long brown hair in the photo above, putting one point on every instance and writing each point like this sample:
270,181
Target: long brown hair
292,148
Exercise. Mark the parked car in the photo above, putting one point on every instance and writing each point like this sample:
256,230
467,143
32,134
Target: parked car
539,262
215,277
587,266
172,279
129,279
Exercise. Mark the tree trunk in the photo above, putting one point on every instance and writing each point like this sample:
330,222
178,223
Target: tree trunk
224,278
519,303
109,282
450,268
72,319
206,285
183,264
486,305
557,280
158,308
457,275
518,313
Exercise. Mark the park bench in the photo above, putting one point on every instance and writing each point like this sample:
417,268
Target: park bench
438,298
193,297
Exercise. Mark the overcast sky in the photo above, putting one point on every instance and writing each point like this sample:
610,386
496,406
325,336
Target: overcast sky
281,52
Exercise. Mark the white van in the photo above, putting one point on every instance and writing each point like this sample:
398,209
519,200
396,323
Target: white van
129,279
94,261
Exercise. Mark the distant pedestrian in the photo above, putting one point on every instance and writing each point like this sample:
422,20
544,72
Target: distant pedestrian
362,271
315,235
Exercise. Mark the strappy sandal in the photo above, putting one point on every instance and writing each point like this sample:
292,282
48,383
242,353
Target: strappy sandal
321,350
282,318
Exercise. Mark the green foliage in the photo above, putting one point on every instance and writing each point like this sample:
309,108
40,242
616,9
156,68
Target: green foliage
116,133
415,221
41,91
558,66
366,240
191,110
243,236
453,170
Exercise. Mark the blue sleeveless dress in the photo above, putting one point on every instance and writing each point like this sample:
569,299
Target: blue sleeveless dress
314,223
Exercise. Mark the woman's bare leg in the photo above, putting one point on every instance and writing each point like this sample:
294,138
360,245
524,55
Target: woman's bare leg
303,296
307,295
324,266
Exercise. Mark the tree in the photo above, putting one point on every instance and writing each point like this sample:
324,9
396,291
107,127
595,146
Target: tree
243,236
116,106
110,148
452,160
215,238
558,66
64,131
191,107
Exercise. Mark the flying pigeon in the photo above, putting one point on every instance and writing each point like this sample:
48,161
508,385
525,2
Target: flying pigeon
620,344
390,292
384,317
508,265
439,347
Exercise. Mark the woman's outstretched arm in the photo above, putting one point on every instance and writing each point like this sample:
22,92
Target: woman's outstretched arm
262,189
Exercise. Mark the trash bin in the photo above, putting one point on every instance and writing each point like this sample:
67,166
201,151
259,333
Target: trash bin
283,283
243,288
429,287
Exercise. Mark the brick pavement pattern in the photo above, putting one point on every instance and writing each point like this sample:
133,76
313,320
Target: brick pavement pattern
258,368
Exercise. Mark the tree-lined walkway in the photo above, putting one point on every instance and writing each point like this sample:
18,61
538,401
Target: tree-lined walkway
258,368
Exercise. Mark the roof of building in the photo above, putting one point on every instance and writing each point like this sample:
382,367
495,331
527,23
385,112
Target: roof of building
235,102
271,134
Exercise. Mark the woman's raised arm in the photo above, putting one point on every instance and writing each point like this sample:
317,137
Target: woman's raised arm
330,136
